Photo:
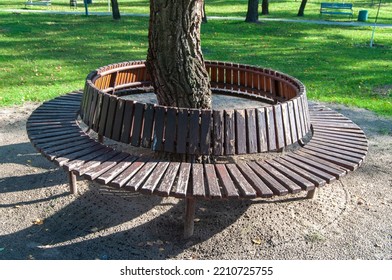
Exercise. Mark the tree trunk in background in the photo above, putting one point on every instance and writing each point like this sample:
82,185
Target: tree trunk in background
264,7
252,14
302,8
115,10
174,60
204,15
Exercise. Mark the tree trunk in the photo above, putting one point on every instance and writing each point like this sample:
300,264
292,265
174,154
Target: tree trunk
252,14
204,15
264,7
174,60
115,10
302,8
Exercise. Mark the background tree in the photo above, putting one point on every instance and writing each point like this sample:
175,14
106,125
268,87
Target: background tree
264,7
252,14
174,59
204,15
115,10
302,8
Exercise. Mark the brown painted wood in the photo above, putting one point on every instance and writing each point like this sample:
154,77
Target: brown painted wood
61,160
262,189
279,126
229,132
128,173
159,124
194,132
118,120
262,130
270,122
116,170
181,188
137,124
240,132
183,131
344,163
97,113
198,188
155,177
170,130
218,134
293,128
286,124
110,116
298,125
148,126
213,189
228,188
281,178
95,172
251,127
127,122
137,181
205,132
243,185
168,179
74,165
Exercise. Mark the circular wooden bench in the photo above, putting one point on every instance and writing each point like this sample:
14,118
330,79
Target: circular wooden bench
311,145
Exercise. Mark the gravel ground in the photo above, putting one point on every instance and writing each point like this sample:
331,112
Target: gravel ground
39,219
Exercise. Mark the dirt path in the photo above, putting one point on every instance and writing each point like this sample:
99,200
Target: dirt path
349,219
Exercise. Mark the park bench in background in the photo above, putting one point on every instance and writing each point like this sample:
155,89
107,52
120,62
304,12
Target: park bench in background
336,9
195,150
38,3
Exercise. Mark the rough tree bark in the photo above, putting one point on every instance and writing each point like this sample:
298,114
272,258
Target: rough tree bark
174,60
264,7
115,10
302,8
252,14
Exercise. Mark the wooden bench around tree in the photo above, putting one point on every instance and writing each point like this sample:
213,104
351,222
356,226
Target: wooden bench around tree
196,150
38,3
336,9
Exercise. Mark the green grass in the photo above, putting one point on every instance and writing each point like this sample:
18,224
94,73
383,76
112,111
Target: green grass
42,56
277,8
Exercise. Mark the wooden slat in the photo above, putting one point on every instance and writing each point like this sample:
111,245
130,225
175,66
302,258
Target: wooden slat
341,162
95,172
205,132
297,119
295,177
262,130
194,132
116,170
168,179
270,121
159,124
360,151
137,124
318,181
218,135
61,160
244,187
229,132
118,120
353,154
183,131
51,154
110,116
281,178
97,112
251,130
293,128
74,165
240,129
148,126
274,185
212,181
198,188
286,124
279,126
170,130
128,173
262,189
182,180
359,146
229,189
127,122
154,178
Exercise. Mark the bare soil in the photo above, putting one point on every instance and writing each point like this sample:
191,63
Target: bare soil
39,219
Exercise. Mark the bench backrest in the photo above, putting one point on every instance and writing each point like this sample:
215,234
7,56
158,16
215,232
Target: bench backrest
337,5
195,131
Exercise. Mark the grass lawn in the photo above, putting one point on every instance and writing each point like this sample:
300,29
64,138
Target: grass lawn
42,56
277,8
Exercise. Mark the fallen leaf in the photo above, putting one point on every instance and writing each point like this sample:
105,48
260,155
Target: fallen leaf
256,241
38,222
94,229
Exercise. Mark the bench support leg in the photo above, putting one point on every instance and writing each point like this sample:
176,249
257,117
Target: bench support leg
311,194
72,182
190,204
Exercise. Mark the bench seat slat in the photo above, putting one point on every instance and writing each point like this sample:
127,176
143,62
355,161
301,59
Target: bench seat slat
344,163
342,137
227,184
154,178
360,146
243,185
168,179
318,181
141,176
355,155
281,178
198,180
94,172
261,188
116,170
354,160
212,181
359,151
301,181
74,165
61,160
61,137
338,168
54,152
91,164
58,146
274,185
128,173
181,188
